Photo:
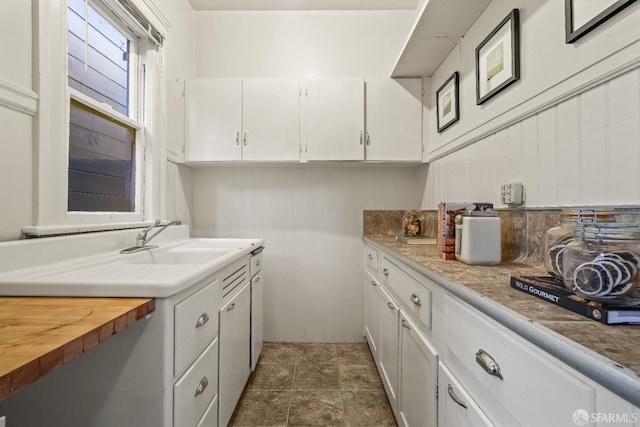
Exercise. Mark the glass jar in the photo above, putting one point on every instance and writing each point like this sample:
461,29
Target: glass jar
557,238
413,224
602,261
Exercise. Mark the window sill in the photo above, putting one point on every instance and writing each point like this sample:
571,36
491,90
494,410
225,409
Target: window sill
57,230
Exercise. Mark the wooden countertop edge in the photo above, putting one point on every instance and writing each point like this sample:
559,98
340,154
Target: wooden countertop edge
75,344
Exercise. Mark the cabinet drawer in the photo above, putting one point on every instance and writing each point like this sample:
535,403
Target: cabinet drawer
196,323
455,406
523,373
256,264
414,297
371,259
193,393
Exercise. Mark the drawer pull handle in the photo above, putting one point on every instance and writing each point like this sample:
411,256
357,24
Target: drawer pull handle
488,363
416,300
370,256
231,307
204,382
385,271
405,325
373,283
455,398
391,306
202,320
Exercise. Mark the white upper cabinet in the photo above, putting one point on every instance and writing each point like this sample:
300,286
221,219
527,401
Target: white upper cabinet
234,119
394,119
213,116
334,119
271,119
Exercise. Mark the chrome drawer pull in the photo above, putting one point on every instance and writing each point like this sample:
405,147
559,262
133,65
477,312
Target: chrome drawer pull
416,300
202,320
373,283
385,271
391,306
455,398
204,382
488,363
404,324
231,307
370,256
258,263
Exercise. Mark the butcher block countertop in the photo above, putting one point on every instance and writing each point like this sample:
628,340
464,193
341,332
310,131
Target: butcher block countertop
39,334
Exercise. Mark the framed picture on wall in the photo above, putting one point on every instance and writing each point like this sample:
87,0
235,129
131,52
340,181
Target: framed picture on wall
447,104
582,16
498,58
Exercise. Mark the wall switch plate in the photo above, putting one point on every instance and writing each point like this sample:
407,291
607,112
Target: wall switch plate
511,194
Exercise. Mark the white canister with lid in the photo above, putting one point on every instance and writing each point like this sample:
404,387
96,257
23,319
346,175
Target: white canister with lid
478,239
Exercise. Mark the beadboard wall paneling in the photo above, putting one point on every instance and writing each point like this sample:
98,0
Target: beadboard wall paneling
582,151
311,220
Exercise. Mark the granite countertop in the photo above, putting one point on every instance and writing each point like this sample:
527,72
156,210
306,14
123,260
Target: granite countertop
617,343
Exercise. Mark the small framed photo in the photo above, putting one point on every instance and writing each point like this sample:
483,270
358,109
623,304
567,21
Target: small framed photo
498,58
447,104
582,16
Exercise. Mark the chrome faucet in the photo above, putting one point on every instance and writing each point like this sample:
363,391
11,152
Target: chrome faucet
142,239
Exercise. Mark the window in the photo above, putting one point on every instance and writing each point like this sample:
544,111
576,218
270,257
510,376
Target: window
103,133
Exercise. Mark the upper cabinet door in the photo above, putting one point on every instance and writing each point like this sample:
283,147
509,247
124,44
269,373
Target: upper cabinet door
271,119
335,119
394,119
213,116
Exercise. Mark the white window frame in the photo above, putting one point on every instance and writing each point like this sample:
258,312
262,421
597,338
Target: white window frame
51,131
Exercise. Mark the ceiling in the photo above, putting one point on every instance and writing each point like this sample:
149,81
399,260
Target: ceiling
304,4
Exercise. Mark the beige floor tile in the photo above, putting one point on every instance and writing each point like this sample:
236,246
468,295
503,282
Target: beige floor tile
271,377
317,354
367,408
354,354
359,377
262,408
316,377
316,408
281,353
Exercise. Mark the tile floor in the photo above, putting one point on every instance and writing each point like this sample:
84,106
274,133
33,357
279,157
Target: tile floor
309,384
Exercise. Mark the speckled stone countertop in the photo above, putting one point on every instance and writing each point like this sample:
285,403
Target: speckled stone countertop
615,346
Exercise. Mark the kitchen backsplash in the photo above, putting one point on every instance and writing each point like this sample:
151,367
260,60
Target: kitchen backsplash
523,230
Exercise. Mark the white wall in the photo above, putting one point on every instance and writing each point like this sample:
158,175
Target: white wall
311,220
569,129
310,216
17,106
299,43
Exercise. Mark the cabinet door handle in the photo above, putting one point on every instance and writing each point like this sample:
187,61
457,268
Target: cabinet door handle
373,283
360,137
368,139
238,138
455,398
370,256
391,306
416,300
202,386
405,324
244,138
256,280
231,307
202,320
385,271
488,363
258,263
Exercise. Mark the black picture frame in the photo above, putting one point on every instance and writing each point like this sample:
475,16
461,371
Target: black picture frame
452,84
512,22
573,34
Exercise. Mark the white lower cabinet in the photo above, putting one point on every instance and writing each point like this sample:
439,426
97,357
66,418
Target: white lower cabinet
257,317
235,342
417,405
372,314
455,407
389,347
